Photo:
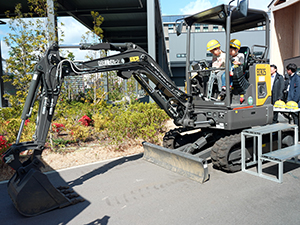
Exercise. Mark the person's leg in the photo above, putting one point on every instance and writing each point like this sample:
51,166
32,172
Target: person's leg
222,95
223,79
295,118
275,117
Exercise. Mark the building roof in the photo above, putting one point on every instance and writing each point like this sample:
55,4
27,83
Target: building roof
172,18
124,21
216,16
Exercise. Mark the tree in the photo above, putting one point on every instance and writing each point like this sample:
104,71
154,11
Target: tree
28,41
95,92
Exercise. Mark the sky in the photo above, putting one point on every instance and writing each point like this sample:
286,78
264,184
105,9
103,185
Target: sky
168,7
172,7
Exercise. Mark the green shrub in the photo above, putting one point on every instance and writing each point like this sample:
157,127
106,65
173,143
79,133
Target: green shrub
74,130
101,122
138,121
118,123
10,128
80,132
74,110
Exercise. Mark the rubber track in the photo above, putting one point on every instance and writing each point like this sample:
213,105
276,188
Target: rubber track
169,140
220,151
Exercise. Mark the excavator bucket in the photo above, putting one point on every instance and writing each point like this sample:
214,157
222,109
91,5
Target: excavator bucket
182,163
33,194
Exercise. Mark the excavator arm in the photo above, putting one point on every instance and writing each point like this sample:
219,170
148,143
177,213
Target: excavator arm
131,61
134,61
29,184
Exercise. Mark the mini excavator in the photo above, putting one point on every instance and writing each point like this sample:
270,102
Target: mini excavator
207,126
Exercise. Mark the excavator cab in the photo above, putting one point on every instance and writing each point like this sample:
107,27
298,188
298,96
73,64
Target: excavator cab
248,100
247,103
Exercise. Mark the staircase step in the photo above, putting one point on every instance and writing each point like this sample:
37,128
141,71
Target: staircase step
284,153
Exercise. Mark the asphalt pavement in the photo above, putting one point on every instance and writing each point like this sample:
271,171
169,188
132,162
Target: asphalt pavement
130,190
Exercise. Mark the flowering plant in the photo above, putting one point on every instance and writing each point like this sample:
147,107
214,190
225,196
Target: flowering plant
26,122
85,120
3,144
57,127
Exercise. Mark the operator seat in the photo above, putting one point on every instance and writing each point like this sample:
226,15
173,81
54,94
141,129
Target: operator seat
241,74
246,51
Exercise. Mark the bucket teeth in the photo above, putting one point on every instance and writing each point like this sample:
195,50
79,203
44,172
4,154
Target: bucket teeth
62,187
66,191
75,195
70,194
77,200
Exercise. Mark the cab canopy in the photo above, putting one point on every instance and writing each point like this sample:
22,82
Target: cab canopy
239,22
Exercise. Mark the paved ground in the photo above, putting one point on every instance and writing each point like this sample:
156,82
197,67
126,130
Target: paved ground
133,191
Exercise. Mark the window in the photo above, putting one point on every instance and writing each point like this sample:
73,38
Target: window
257,54
205,28
260,28
209,54
171,28
197,27
181,55
215,28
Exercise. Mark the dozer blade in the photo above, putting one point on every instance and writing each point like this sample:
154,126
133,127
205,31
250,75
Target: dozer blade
185,164
33,194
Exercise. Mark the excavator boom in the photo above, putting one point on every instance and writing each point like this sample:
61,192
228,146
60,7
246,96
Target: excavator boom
30,190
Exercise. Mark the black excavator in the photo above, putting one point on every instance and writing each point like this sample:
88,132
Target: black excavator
207,126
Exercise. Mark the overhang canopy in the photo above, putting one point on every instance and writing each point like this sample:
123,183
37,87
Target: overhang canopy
124,21
216,16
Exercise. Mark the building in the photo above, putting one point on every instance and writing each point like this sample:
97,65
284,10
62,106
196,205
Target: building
201,34
285,33
134,21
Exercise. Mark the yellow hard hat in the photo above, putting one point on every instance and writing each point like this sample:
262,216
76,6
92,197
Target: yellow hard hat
279,104
212,44
235,43
291,105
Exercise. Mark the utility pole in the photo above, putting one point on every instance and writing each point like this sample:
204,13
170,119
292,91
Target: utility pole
52,23
1,79
1,74
151,34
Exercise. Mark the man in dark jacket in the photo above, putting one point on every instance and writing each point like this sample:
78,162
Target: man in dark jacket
286,78
277,84
293,88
